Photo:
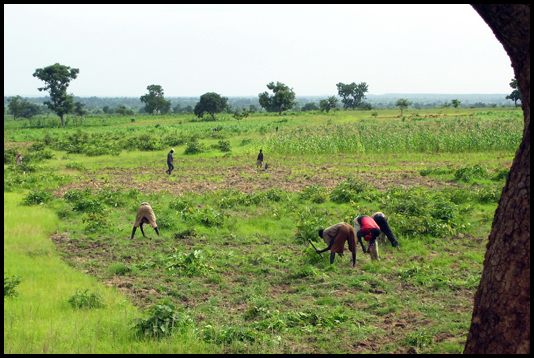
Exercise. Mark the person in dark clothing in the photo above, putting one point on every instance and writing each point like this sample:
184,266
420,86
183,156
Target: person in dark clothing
259,161
370,228
382,221
170,159
335,237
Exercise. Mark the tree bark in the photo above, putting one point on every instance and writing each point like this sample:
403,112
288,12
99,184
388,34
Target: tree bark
62,121
501,314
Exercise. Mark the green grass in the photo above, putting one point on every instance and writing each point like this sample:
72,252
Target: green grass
233,257
40,319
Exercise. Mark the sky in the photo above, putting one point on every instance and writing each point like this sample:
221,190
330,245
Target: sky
236,50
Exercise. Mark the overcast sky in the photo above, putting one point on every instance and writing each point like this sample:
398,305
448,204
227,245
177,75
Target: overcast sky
235,50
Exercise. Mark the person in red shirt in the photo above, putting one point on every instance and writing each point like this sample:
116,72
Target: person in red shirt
370,229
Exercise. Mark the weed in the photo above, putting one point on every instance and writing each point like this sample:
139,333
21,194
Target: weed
163,318
37,198
9,286
187,233
81,299
187,264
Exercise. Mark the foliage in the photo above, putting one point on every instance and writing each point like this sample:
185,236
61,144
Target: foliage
224,146
352,94
81,299
402,103
194,146
328,104
190,264
211,103
308,224
314,193
154,101
163,318
515,95
455,103
467,174
10,283
347,190
283,98
96,220
37,197
57,79
19,107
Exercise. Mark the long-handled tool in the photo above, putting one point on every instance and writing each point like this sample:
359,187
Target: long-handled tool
315,248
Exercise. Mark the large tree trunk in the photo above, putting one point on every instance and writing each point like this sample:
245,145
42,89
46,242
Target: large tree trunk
501,313
62,121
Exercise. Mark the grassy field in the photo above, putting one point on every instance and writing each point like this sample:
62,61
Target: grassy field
232,271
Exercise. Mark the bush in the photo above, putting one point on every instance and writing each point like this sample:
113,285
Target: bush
76,166
187,264
84,300
37,198
194,147
224,146
314,193
9,286
162,319
348,190
88,205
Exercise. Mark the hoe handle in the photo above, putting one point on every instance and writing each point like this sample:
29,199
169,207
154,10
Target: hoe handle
315,248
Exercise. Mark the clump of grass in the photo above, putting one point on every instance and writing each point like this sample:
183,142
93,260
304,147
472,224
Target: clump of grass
38,197
82,299
162,319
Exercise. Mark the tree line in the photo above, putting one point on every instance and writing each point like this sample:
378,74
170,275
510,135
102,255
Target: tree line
57,78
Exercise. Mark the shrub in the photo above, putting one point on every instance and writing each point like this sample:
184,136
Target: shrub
95,222
348,190
37,146
308,225
314,193
467,174
194,147
37,198
187,264
187,233
84,300
76,166
119,269
162,319
9,286
88,205
224,146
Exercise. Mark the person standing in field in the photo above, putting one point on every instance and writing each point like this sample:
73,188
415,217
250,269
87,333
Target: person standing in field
370,228
170,160
18,160
259,161
145,215
335,237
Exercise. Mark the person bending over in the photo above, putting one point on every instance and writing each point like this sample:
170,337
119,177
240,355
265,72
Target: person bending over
145,215
335,237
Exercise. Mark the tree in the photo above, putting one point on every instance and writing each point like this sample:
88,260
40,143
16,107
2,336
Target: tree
243,114
328,104
402,103
19,107
282,100
310,107
516,94
121,110
177,109
252,109
79,110
57,79
352,94
501,314
211,103
154,100
455,103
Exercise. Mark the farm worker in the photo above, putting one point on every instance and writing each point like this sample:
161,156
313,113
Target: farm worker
365,227
335,237
259,161
145,215
170,159
382,221
19,159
